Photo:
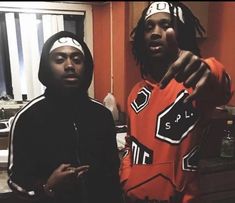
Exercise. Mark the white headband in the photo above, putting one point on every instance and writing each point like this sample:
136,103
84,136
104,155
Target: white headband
162,6
67,41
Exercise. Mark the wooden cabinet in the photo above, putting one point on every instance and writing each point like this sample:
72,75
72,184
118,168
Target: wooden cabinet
217,175
218,187
211,143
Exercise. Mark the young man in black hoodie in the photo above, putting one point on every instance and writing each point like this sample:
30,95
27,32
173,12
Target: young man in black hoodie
63,143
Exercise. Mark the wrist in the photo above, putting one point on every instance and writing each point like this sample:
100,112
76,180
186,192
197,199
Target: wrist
48,190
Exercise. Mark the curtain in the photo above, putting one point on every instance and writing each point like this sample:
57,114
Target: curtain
5,74
25,46
14,56
52,24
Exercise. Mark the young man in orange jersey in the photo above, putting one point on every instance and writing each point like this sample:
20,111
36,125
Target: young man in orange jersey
169,108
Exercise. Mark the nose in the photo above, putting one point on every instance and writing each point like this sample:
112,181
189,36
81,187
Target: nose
69,64
157,33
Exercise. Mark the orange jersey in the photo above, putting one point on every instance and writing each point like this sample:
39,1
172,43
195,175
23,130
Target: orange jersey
162,157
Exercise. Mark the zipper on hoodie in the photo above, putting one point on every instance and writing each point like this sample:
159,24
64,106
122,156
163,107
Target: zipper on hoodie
84,188
77,143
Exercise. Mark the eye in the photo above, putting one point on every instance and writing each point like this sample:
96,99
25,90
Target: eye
77,59
58,59
149,26
166,25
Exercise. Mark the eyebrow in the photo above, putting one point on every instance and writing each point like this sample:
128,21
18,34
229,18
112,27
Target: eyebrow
67,53
73,52
160,20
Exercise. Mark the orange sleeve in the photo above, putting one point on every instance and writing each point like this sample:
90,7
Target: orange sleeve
192,192
225,88
216,67
126,160
125,166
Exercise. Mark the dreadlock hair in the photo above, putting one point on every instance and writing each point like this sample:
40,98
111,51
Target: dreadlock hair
186,32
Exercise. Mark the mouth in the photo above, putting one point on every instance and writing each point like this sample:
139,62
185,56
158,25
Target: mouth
155,46
71,78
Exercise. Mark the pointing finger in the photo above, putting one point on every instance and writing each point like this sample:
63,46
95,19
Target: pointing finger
172,42
174,69
170,74
174,53
196,92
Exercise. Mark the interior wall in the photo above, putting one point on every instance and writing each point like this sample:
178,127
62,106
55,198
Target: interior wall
119,52
220,42
112,50
101,47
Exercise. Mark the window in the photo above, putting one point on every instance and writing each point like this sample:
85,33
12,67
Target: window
23,33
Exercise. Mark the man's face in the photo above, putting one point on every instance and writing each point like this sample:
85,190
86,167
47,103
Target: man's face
155,35
67,66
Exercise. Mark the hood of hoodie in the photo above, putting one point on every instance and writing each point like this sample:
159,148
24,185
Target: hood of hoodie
45,74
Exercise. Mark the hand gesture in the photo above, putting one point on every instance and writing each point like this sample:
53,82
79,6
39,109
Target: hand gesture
65,175
189,69
78,171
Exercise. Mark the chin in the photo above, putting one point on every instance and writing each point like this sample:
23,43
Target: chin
69,91
71,88
71,85
158,57
68,87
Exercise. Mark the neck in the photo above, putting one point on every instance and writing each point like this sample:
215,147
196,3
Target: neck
157,66
73,95
157,69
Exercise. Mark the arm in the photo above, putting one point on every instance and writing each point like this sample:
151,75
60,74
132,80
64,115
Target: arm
125,167
219,88
21,164
26,177
210,82
126,160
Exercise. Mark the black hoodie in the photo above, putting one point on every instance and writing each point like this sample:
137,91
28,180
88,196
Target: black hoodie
54,129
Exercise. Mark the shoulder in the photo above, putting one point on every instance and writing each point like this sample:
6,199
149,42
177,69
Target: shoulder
216,67
31,108
95,102
98,113
135,90
97,106
33,104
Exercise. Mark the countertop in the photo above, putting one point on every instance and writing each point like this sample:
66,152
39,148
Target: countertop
3,158
217,164
4,189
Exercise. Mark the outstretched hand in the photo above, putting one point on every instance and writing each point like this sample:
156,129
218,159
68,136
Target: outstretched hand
188,69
